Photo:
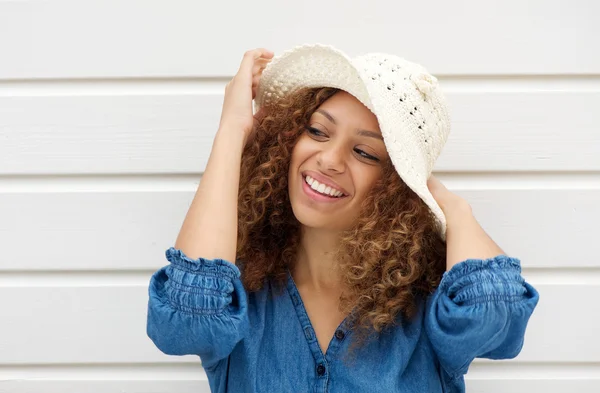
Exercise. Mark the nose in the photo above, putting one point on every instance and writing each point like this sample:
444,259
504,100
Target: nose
331,158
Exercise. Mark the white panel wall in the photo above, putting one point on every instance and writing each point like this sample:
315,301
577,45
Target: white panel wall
107,114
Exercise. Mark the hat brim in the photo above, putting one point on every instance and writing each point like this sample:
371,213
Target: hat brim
317,65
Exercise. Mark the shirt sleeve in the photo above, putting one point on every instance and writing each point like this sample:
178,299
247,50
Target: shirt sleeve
197,307
480,309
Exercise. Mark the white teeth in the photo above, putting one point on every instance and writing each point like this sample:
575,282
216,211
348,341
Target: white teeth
322,188
315,185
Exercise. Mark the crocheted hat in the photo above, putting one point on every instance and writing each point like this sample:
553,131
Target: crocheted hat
406,99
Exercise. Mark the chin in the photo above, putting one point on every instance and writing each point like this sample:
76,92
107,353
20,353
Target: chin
312,219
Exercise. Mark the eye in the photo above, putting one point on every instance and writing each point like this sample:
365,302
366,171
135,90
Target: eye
363,154
315,132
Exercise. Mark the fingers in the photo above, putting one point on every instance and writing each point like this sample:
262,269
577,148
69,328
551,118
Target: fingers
257,70
267,54
255,82
259,116
254,56
259,65
434,184
251,68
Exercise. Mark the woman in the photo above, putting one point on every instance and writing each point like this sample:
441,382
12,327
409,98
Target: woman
319,254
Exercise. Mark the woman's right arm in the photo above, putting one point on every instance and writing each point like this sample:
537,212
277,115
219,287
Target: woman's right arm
210,226
197,304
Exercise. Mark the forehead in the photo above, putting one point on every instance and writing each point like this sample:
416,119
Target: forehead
348,110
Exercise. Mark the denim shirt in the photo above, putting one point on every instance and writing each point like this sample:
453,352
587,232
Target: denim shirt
264,342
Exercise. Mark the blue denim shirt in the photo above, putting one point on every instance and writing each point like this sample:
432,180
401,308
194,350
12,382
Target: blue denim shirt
264,342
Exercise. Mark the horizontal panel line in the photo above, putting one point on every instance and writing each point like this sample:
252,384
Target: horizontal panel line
563,275
99,183
519,83
490,369
75,278
189,182
154,371
112,86
216,85
140,278
193,371
525,180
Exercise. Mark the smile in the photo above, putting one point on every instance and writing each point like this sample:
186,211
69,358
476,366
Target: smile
322,188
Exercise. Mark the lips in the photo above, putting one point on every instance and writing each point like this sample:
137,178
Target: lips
322,188
324,180
316,196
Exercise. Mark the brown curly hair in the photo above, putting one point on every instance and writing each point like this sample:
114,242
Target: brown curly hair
391,258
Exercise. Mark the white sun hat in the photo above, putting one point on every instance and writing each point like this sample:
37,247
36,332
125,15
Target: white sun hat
406,99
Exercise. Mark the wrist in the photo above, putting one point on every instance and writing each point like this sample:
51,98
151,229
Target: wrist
235,126
231,133
457,211
229,140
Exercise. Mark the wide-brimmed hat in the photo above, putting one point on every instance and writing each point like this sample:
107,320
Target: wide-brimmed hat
406,99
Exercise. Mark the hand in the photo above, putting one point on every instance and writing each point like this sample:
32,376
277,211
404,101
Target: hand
465,238
449,202
241,90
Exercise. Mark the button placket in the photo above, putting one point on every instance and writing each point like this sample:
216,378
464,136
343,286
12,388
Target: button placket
321,369
321,359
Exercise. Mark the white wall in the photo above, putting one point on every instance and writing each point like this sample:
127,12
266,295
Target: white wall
108,110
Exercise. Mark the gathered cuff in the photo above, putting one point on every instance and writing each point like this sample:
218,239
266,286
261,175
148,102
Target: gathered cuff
475,281
219,267
199,286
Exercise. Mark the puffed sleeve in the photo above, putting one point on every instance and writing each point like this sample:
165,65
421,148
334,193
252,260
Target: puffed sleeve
197,307
480,309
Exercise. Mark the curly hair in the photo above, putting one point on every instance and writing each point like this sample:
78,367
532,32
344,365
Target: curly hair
392,257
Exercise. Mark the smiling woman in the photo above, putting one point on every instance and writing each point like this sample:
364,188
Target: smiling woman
333,151
314,256
325,241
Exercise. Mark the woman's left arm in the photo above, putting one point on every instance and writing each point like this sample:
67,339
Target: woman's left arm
482,305
465,238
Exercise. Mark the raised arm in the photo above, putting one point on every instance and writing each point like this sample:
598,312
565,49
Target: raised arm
197,303
210,226
483,305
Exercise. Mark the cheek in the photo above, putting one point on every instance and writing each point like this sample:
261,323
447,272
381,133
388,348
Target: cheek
297,158
301,151
365,180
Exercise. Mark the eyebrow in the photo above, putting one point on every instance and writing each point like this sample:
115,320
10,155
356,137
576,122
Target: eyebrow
370,134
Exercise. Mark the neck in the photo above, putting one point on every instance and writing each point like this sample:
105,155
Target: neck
316,266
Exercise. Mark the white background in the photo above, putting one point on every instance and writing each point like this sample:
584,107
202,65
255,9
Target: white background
107,114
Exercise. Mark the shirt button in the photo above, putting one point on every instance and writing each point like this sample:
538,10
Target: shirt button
320,369
339,334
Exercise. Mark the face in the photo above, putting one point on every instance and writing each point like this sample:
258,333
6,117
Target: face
335,163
